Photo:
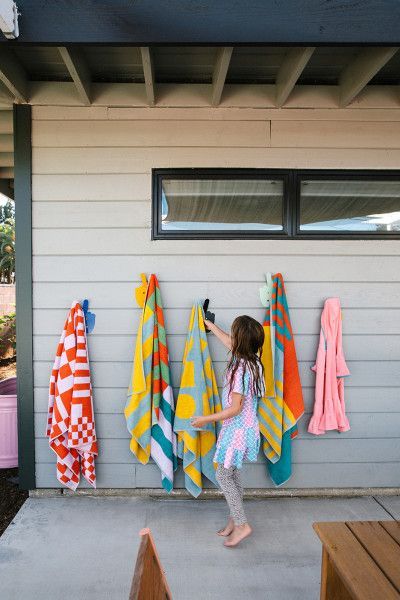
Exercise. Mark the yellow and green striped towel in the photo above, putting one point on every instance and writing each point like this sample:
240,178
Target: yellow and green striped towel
149,409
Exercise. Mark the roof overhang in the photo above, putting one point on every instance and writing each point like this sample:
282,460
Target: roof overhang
210,22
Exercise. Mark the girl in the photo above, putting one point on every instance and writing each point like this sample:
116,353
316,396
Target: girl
239,438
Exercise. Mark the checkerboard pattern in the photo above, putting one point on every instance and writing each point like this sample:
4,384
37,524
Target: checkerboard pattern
70,421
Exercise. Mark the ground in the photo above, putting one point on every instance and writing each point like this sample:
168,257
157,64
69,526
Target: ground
83,548
11,498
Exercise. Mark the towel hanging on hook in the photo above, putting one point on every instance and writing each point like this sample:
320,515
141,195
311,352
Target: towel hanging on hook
70,420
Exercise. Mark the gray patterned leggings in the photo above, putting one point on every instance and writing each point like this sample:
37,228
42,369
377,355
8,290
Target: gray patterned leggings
231,486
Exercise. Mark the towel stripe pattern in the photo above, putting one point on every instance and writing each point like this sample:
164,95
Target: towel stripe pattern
70,421
149,409
282,406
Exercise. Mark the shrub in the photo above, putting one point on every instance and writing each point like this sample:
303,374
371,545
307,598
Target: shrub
8,338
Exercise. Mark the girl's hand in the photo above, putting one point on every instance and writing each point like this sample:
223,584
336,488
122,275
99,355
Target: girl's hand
208,323
221,335
198,422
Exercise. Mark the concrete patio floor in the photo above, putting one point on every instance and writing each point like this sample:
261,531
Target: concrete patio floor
84,548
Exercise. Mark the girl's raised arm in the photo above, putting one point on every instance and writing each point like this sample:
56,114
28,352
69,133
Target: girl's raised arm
224,337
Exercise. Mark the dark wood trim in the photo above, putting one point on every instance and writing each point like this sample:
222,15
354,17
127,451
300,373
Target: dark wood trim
291,206
23,271
224,23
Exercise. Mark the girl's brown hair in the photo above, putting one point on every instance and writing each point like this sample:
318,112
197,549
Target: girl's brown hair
247,336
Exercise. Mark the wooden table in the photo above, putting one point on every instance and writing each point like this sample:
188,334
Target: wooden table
360,560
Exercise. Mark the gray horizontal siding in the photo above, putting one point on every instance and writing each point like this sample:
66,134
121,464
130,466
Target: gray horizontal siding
361,399
48,161
228,268
305,451
91,238
254,475
363,425
135,242
301,294
120,347
304,321
108,374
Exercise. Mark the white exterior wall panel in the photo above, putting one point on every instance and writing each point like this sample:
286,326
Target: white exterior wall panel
92,238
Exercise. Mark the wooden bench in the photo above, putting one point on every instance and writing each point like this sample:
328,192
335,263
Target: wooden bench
149,582
360,560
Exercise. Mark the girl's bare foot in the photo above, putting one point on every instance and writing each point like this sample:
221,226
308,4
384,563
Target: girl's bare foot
227,530
239,533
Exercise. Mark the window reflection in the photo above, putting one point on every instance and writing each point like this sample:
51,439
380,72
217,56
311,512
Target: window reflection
222,205
348,205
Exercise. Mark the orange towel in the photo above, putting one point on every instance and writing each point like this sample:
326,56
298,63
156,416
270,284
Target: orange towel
70,422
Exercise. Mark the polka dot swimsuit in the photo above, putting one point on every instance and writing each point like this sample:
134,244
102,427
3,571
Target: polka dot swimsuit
239,438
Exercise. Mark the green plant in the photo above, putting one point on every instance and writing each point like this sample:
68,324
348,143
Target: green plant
7,212
7,251
8,338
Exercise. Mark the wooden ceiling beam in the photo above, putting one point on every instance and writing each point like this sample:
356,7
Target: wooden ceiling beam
171,96
13,76
222,22
361,70
79,71
290,71
148,71
219,74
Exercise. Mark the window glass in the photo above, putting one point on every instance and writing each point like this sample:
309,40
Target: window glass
349,205
222,205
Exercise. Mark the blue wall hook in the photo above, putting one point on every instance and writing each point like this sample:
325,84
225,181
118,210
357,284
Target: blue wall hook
90,318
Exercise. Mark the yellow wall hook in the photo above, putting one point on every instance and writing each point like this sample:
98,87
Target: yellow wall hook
141,290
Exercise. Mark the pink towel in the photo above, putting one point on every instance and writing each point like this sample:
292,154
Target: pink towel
330,367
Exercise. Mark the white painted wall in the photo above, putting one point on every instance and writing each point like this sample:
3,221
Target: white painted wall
91,238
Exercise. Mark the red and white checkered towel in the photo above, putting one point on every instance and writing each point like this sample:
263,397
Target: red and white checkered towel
70,421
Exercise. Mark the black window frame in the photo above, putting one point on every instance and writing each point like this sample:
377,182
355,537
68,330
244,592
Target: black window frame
291,178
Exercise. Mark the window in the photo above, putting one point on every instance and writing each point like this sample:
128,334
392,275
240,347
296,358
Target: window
355,205
258,203
220,204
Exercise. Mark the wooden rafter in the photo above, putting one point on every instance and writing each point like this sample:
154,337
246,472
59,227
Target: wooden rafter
219,74
13,75
6,99
290,71
361,70
79,71
53,93
148,71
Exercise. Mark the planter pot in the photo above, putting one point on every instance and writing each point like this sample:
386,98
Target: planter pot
8,424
